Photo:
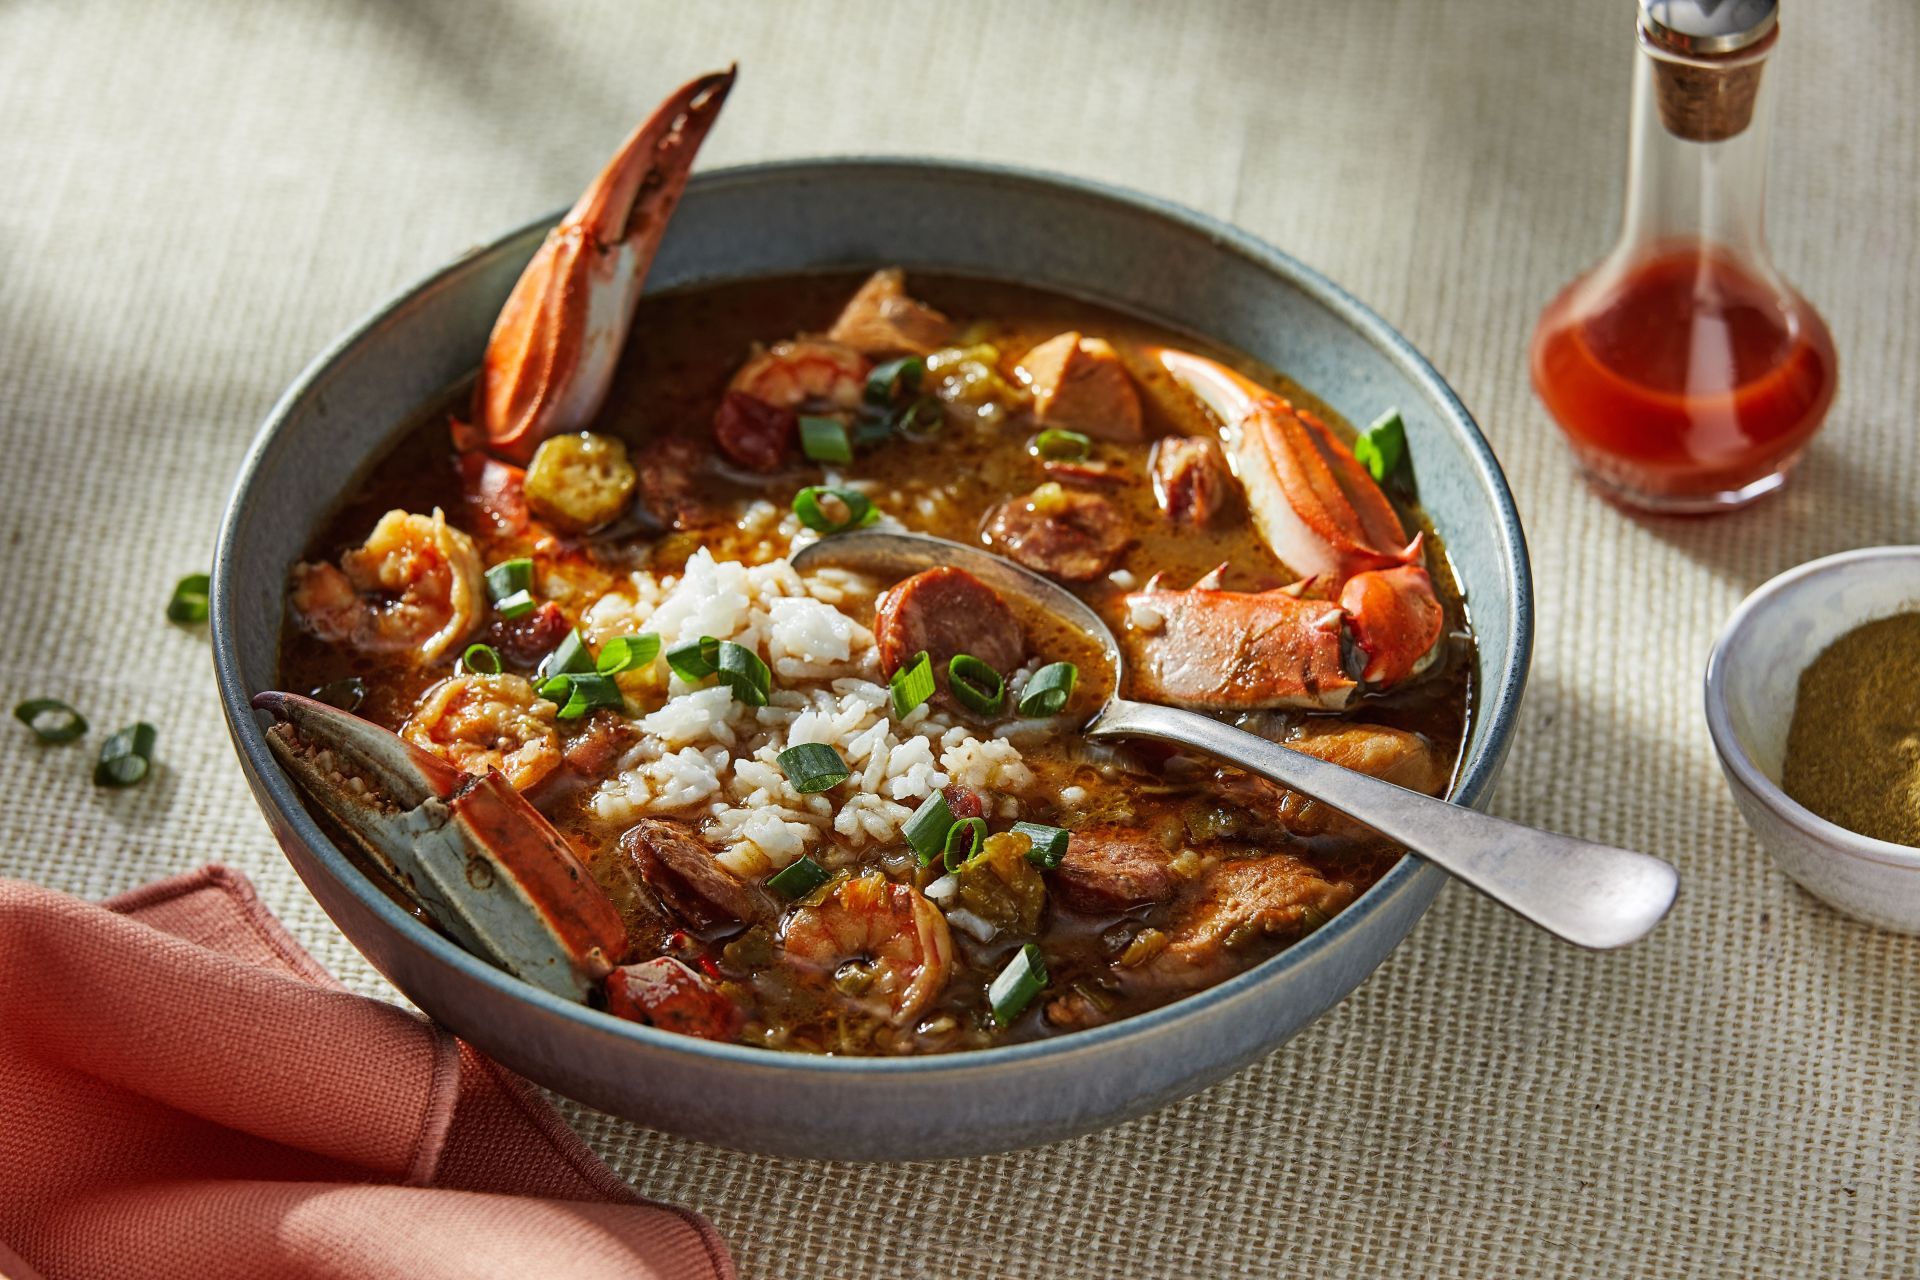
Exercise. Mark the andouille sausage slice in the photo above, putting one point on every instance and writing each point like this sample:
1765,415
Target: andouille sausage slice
679,866
1060,532
757,435
946,611
1112,869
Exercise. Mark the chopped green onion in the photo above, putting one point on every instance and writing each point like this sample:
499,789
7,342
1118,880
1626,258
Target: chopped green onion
1060,446
813,766
1014,989
345,694
926,831
1382,447
482,659
508,578
189,603
695,660
125,757
50,719
741,670
798,879
517,605
624,653
912,685
977,685
860,509
1047,692
585,691
920,419
569,657
1049,844
825,440
888,380
964,839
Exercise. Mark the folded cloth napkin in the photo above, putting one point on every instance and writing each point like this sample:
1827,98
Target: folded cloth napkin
185,1092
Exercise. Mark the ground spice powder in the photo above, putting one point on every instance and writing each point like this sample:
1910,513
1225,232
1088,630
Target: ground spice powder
1853,751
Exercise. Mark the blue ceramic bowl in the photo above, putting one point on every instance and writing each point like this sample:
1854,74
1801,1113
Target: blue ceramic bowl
1162,262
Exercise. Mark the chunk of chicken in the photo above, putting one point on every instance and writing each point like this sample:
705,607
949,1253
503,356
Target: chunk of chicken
678,865
1233,906
1079,384
881,320
1392,755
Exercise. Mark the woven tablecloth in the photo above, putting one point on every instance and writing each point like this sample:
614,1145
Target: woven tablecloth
196,196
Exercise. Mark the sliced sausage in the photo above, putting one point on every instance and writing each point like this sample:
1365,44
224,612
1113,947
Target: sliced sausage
964,802
1075,537
593,752
757,435
881,320
495,489
1112,869
1190,478
665,993
1080,385
679,866
669,483
946,611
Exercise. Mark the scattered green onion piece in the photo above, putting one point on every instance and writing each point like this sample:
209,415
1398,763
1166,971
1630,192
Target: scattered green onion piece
926,831
189,603
517,605
346,694
481,659
888,380
798,879
1060,446
912,685
825,440
977,685
869,430
964,839
125,757
695,660
920,419
1049,844
569,657
1047,692
1382,447
813,766
624,653
585,691
1016,985
50,719
860,509
508,578
742,671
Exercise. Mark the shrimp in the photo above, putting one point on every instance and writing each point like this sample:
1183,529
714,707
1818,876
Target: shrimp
477,722
415,584
883,943
788,375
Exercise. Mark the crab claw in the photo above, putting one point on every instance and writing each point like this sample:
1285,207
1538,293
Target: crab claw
477,858
1217,650
551,357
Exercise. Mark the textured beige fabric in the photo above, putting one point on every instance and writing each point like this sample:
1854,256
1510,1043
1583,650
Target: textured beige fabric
194,197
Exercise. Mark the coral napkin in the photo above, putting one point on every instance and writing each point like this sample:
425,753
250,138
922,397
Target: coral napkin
185,1092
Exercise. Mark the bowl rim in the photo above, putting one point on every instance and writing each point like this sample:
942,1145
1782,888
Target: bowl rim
1766,597
1499,706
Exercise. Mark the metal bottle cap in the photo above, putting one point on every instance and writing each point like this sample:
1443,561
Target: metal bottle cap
1708,27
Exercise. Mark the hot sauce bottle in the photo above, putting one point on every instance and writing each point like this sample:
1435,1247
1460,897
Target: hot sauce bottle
1687,374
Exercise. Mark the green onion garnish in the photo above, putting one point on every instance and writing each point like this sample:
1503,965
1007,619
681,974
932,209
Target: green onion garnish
920,419
624,653
860,509
912,685
569,657
189,603
482,659
1014,989
825,440
125,757
1060,446
1382,447
50,719
1047,692
964,839
977,685
926,831
738,667
346,694
583,692
508,578
813,766
798,879
695,660
1049,844
888,380
517,605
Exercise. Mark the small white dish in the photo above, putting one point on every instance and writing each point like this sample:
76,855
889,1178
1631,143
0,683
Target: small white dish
1753,679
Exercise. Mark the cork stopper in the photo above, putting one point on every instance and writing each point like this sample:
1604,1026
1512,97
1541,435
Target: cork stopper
1708,56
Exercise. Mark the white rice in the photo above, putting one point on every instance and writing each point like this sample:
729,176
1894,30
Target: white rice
712,760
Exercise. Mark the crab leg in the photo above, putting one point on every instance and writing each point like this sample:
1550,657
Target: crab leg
551,357
470,850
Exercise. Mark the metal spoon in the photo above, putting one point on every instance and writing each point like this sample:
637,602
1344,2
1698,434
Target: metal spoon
1592,895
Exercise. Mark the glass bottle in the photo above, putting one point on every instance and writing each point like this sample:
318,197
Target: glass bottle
1686,373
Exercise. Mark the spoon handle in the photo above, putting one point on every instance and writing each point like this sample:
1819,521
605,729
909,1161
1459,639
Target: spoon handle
1592,895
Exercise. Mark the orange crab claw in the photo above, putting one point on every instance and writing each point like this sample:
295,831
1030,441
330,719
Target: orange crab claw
1395,620
551,357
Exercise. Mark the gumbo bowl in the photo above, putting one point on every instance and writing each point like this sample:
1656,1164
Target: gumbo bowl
1169,265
